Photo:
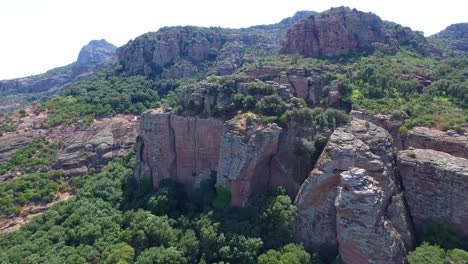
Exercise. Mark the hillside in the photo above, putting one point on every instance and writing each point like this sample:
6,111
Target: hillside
96,55
332,137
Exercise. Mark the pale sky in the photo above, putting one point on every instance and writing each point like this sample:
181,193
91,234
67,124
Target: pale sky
37,35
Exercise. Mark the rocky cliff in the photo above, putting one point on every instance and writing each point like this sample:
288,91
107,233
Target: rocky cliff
185,149
340,31
353,198
436,186
179,52
249,157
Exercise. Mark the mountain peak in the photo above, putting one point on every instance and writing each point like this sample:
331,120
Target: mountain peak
96,52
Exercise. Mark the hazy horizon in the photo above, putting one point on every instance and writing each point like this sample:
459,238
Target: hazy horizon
50,33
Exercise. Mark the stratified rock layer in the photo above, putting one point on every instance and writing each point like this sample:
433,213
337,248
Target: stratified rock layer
436,186
429,138
352,198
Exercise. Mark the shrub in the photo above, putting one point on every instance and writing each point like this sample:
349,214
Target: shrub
271,105
427,254
223,197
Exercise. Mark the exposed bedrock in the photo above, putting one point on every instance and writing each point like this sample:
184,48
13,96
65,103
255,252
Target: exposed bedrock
436,186
249,157
353,198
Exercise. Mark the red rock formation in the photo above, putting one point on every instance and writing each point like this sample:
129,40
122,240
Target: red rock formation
338,31
182,148
436,186
430,138
352,198
388,122
248,159
245,156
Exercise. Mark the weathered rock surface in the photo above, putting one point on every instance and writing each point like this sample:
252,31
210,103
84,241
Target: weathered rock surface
388,122
340,31
97,53
351,198
185,149
436,186
10,143
95,146
245,156
248,158
429,138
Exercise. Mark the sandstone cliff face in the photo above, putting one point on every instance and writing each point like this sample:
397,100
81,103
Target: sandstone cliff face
248,158
352,198
245,156
340,31
389,123
301,83
429,138
436,186
185,149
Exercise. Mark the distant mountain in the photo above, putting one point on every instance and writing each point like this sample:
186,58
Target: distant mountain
454,37
96,55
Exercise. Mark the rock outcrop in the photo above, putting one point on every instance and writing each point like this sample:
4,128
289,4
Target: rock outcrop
388,122
436,186
249,157
178,52
430,138
353,198
96,54
340,31
10,143
245,158
185,149
95,146
301,83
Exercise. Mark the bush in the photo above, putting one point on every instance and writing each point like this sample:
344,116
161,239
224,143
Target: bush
223,197
271,105
427,254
